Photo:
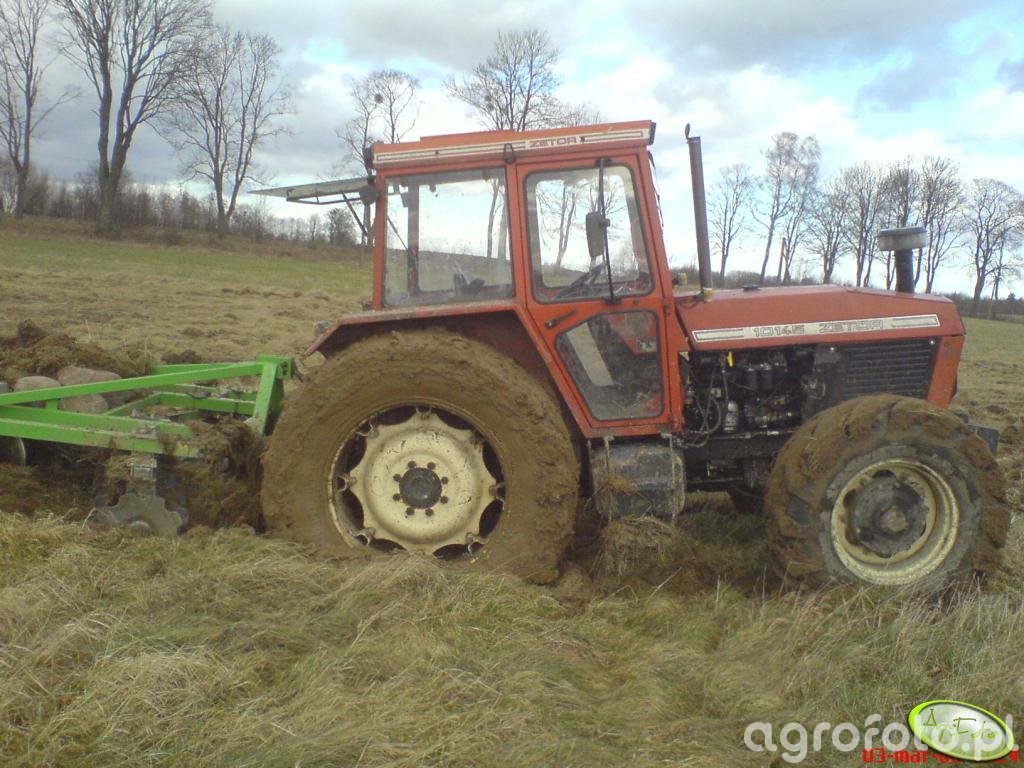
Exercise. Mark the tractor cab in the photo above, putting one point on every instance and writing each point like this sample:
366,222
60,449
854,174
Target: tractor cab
505,215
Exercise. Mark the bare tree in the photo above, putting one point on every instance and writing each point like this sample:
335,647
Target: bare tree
514,88
804,183
901,189
993,218
339,227
21,75
728,205
1008,264
781,184
939,203
899,192
829,210
386,103
227,101
862,193
132,51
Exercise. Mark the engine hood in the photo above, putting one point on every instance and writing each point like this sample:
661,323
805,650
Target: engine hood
768,317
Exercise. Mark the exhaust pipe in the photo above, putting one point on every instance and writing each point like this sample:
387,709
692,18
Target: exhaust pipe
700,213
903,242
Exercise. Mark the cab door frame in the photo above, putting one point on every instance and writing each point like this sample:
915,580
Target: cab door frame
550,319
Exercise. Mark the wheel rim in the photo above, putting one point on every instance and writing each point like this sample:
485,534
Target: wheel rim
419,479
894,522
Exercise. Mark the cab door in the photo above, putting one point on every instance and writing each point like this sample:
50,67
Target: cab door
605,332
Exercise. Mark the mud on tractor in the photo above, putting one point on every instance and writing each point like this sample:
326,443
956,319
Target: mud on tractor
526,355
527,360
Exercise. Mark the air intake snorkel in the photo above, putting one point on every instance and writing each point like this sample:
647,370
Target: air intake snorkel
700,214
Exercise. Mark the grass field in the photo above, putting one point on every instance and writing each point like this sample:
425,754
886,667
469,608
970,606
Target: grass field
225,303
225,649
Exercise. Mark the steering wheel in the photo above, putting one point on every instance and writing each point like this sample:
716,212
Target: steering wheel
587,278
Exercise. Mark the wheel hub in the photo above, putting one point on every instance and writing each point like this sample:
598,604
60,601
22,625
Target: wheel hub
421,483
420,487
887,517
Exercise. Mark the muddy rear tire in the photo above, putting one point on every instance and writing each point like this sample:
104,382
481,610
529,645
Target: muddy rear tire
886,490
395,416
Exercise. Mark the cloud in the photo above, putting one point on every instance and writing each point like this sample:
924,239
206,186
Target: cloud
1012,73
927,74
449,33
790,34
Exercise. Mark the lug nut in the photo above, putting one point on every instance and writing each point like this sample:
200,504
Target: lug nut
397,478
429,513
409,511
412,465
444,481
444,499
397,497
431,465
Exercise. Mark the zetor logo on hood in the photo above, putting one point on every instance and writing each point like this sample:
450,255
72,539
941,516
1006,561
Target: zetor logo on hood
961,730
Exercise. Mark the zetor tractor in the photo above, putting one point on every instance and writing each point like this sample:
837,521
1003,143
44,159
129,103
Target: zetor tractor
526,360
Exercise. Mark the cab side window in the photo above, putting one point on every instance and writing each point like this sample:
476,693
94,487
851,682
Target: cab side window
447,238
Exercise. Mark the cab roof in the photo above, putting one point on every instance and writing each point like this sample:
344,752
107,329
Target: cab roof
511,145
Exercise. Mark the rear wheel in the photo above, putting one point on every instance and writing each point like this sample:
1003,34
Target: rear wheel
886,491
428,442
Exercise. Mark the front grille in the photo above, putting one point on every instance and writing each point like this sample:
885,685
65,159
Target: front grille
894,367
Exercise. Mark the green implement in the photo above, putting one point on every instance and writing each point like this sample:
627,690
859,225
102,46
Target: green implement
155,421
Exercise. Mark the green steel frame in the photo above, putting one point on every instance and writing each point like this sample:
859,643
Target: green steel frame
136,426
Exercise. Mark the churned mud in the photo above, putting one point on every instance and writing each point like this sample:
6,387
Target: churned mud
33,351
709,545
221,489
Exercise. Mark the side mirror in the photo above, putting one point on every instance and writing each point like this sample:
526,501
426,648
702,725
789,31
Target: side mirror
678,277
596,226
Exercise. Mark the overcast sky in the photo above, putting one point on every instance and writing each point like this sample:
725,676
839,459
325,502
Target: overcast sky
872,79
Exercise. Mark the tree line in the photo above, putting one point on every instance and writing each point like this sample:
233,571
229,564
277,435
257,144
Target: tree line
174,210
810,224
214,93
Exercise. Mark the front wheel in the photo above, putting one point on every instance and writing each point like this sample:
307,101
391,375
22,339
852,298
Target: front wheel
428,442
886,491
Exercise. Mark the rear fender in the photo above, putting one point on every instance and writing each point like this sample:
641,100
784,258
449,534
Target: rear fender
500,327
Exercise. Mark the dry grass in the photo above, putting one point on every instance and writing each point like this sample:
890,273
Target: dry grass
226,649
224,303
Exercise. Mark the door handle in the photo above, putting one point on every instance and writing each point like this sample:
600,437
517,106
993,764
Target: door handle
552,322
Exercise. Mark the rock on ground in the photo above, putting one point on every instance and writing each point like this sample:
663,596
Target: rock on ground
30,383
71,375
80,404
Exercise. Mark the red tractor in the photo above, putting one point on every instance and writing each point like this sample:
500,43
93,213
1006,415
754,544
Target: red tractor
526,357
